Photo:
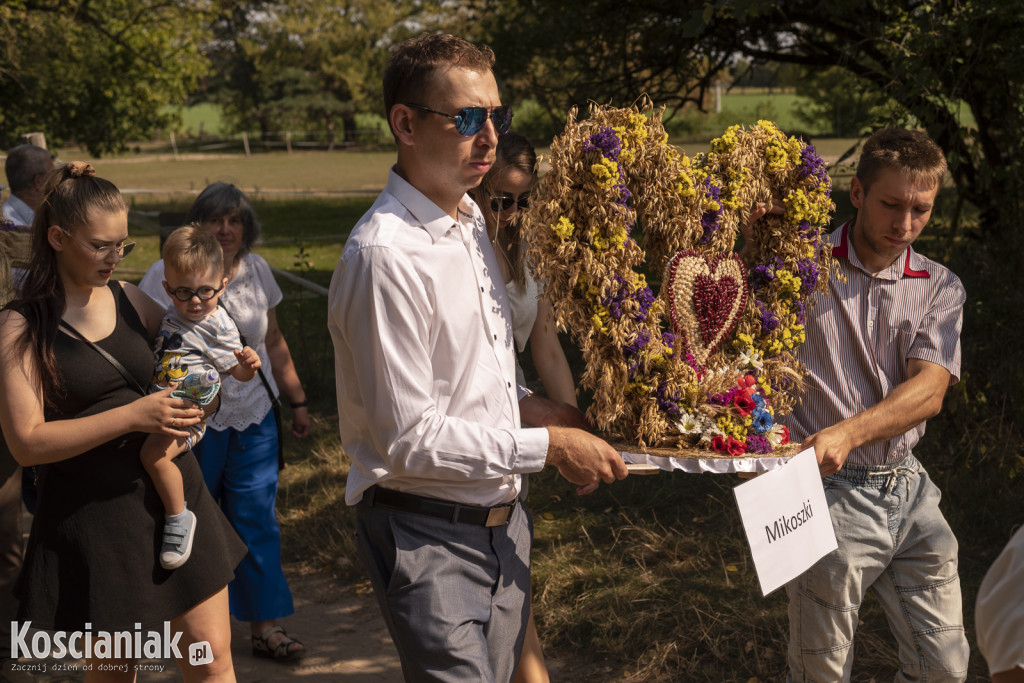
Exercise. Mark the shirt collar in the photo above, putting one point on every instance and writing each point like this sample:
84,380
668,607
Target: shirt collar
434,220
17,210
842,250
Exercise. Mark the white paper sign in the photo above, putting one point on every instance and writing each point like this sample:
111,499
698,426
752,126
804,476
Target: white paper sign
786,520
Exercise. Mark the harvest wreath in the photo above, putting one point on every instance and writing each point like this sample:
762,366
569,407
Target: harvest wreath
707,366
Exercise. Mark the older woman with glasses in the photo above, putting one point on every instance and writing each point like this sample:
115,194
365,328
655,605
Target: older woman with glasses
240,453
75,352
501,195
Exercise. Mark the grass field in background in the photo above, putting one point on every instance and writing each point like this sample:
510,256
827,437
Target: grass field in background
203,118
318,172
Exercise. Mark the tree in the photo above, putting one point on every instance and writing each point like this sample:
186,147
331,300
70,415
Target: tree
567,52
843,105
929,58
926,56
99,72
336,48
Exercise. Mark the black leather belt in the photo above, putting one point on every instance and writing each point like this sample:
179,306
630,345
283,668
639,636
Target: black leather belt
441,509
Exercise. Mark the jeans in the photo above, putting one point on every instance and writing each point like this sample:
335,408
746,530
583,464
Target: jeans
893,538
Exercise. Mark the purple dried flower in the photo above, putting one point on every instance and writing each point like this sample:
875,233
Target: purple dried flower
709,219
725,399
811,164
800,310
809,273
758,444
634,347
643,297
764,273
769,321
604,141
668,404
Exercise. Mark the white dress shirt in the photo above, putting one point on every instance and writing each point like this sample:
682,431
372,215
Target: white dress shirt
423,349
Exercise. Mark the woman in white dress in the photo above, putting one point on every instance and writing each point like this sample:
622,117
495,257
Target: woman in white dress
501,195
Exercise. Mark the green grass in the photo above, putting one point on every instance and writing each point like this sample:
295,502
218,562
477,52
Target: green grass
203,118
346,172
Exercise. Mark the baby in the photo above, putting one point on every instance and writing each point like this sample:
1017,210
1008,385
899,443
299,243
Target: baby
197,343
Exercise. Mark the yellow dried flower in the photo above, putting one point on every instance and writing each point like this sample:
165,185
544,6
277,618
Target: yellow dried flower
564,228
606,172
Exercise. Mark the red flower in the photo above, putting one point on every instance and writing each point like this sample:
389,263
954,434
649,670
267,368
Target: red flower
747,381
785,434
736,447
744,404
718,443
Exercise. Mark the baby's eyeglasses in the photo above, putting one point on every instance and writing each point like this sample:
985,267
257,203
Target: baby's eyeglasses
504,202
186,294
122,249
469,120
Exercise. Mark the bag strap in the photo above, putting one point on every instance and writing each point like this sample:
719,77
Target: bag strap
274,400
128,378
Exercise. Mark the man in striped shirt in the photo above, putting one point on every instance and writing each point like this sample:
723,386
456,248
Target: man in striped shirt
881,350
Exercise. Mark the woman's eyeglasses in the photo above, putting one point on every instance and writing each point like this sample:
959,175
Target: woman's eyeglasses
122,249
186,294
469,120
504,202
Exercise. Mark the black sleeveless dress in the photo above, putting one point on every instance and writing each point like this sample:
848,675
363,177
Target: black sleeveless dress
93,553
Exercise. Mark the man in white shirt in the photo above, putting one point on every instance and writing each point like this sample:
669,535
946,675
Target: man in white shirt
26,168
428,405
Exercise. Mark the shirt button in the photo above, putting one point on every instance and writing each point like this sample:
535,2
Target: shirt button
510,385
481,289
495,337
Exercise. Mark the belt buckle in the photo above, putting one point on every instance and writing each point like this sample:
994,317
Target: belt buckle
497,516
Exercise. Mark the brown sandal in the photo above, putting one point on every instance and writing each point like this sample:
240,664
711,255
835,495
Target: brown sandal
281,653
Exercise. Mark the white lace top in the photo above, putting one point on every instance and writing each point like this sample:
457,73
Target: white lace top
248,297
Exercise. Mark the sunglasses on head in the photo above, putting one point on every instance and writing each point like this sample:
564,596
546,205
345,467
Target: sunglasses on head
469,120
504,202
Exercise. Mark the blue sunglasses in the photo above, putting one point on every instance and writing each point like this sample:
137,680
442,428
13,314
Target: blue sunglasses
470,120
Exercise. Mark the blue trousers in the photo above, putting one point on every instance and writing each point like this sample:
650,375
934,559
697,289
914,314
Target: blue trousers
240,469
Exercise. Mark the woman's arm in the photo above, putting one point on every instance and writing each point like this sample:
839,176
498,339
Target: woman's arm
34,441
285,375
549,358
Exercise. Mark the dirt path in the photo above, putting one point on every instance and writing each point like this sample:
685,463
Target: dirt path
343,631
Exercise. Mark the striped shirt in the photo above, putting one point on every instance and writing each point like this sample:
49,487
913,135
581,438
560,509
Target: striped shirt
861,335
